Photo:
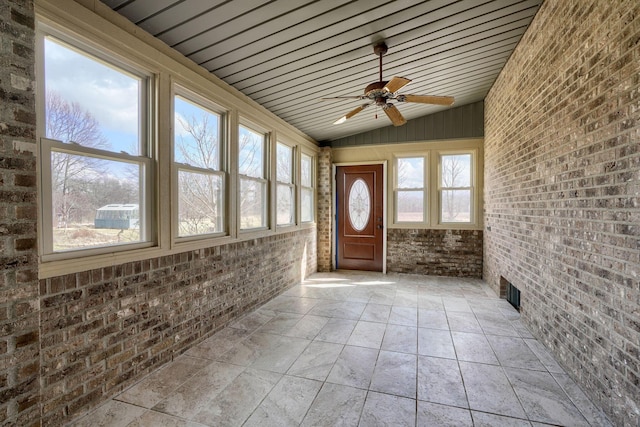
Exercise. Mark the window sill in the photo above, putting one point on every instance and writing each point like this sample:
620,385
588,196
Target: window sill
448,226
53,268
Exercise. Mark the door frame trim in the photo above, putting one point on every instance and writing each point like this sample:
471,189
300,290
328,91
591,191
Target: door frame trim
334,219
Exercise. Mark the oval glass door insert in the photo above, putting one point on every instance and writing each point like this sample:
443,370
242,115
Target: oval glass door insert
359,205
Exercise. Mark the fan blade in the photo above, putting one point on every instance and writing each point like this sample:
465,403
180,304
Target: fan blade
350,114
396,84
427,99
341,97
394,115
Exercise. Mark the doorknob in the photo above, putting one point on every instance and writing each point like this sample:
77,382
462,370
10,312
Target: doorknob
380,226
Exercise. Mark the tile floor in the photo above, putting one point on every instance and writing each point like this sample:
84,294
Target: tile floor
362,349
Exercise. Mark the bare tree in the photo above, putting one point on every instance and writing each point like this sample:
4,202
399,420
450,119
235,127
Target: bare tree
452,170
251,164
200,194
284,189
69,122
410,176
206,152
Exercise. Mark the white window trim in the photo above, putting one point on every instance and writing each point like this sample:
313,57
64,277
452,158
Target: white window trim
177,168
301,187
426,202
204,103
266,180
47,146
389,152
291,185
148,220
472,188
106,37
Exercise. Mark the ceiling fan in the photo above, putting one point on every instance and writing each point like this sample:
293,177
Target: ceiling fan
381,92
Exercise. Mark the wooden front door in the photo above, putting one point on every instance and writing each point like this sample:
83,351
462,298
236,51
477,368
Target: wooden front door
360,217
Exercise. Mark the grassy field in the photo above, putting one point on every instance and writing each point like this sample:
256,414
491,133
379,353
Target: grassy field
78,236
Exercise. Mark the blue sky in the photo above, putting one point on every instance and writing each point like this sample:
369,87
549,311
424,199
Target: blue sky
110,95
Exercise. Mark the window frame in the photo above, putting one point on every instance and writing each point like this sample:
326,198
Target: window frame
432,150
223,167
426,203
145,158
472,190
102,37
264,181
311,189
291,185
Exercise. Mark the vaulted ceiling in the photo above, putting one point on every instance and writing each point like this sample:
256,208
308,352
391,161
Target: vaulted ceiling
287,54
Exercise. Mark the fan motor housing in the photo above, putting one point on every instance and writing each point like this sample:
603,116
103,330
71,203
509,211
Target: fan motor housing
380,48
375,90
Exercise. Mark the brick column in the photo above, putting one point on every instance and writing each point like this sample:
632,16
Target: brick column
19,304
324,219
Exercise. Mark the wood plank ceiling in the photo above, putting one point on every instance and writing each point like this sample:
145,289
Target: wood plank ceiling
287,54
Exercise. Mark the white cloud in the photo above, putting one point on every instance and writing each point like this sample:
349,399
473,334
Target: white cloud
108,94
411,172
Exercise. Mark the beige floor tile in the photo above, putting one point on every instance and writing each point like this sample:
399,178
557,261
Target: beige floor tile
112,413
436,343
473,348
388,410
358,348
337,331
396,374
197,393
434,415
336,405
316,361
440,381
286,404
399,338
367,334
376,313
162,382
239,399
489,390
354,367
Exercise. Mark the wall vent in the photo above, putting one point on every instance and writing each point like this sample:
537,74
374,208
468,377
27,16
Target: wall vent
513,296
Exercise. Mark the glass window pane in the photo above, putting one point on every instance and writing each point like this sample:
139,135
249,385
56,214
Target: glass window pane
285,205
306,204
359,205
196,135
456,206
411,172
284,164
410,206
95,202
456,171
200,203
252,204
251,153
89,102
306,169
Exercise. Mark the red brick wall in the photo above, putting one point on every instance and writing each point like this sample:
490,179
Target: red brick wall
19,357
562,191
